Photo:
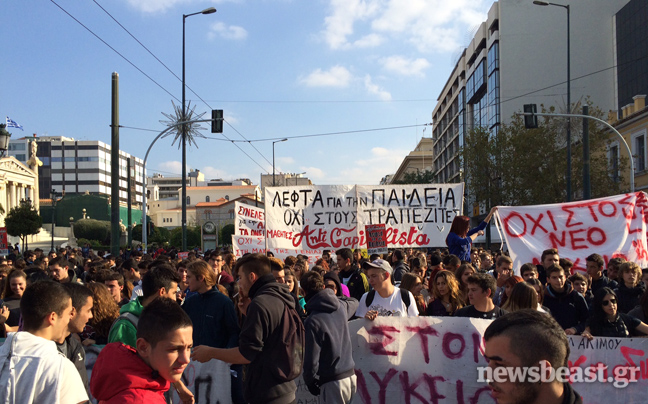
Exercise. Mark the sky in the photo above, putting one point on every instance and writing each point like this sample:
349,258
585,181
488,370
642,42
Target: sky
350,83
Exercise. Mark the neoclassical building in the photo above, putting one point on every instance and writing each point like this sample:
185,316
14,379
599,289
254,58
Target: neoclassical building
17,182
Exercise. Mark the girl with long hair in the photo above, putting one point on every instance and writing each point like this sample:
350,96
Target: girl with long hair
522,296
607,321
414,284
509,283
293,286
104,313
15,285
460,237
446,294
462,274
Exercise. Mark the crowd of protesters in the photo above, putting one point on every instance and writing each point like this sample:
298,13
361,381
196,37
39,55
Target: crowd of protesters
211,305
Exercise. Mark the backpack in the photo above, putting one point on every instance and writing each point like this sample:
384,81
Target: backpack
132,318
290,352
405,297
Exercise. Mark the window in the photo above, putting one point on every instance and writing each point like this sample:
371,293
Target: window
188,200
639,151
207,198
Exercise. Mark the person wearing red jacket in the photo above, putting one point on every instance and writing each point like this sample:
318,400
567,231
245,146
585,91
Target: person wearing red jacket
164,340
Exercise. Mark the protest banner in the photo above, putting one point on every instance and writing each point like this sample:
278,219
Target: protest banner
249,220
335,216
614,226
4,246
435,359
416,215
247,245
312,217
376,243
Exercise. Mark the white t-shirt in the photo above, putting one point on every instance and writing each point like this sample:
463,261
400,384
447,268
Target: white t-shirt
33,371
388,306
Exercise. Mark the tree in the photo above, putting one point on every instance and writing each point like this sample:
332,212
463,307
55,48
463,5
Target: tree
22,221
518,166
193,237
226,234
419,177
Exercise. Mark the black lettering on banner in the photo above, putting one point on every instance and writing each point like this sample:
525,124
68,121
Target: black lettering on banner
413,196
373,196
318,198
450,196
203,383
318,222
393,197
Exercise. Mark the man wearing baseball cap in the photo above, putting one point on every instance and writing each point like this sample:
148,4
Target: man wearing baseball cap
385,299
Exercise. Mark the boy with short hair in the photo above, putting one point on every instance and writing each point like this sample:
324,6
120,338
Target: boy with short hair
31,369
480,294
142,375
567,306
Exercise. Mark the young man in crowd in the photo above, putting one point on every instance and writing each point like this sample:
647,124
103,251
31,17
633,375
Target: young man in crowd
528,271
385,299
399,265
548,258
594,264
351,276
260,339
328,361
485,262
32,369
550,347
480,295
567,306
71,346
60,271
614,264
127,375
115,283
161,281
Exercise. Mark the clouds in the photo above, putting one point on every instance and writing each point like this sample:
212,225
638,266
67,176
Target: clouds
404,66
337,76
429,25
376,90
220,29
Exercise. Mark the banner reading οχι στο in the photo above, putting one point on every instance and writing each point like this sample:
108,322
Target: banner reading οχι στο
614,226
242,245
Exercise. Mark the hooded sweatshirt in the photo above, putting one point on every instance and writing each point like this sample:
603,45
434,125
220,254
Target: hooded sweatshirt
120,376
124,330
260,335
328,355
568,307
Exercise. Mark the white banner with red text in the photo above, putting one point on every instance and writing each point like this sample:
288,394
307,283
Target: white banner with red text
242,245
249,220
614,226
335,216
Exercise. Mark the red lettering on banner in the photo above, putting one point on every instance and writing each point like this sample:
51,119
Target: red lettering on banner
448,338
507,228
640,249
383,383
411,237
555,243
627,351
378,347
362,387
423,332
536,223
410,389
571,215
553,222
305,234
478,347
602,211
348,241
575,240
431,382
572,366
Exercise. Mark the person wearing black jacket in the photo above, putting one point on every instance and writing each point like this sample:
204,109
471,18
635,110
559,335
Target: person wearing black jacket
328,362
594,264
350,275
71,346
567,306
260,340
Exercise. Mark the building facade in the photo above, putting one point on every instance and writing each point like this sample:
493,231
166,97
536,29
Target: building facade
519,56
419,160
80,166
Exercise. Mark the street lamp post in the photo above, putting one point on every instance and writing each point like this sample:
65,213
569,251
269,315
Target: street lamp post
569,159
273,160
209,10
53,195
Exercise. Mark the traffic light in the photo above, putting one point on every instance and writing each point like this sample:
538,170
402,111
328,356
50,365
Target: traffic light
217,121
530,121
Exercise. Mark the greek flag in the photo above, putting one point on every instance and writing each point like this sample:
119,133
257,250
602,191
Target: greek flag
12,124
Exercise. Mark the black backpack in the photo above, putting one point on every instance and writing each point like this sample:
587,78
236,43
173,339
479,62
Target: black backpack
290,352
405,297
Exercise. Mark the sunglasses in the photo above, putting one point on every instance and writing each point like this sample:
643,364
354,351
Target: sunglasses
607,302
